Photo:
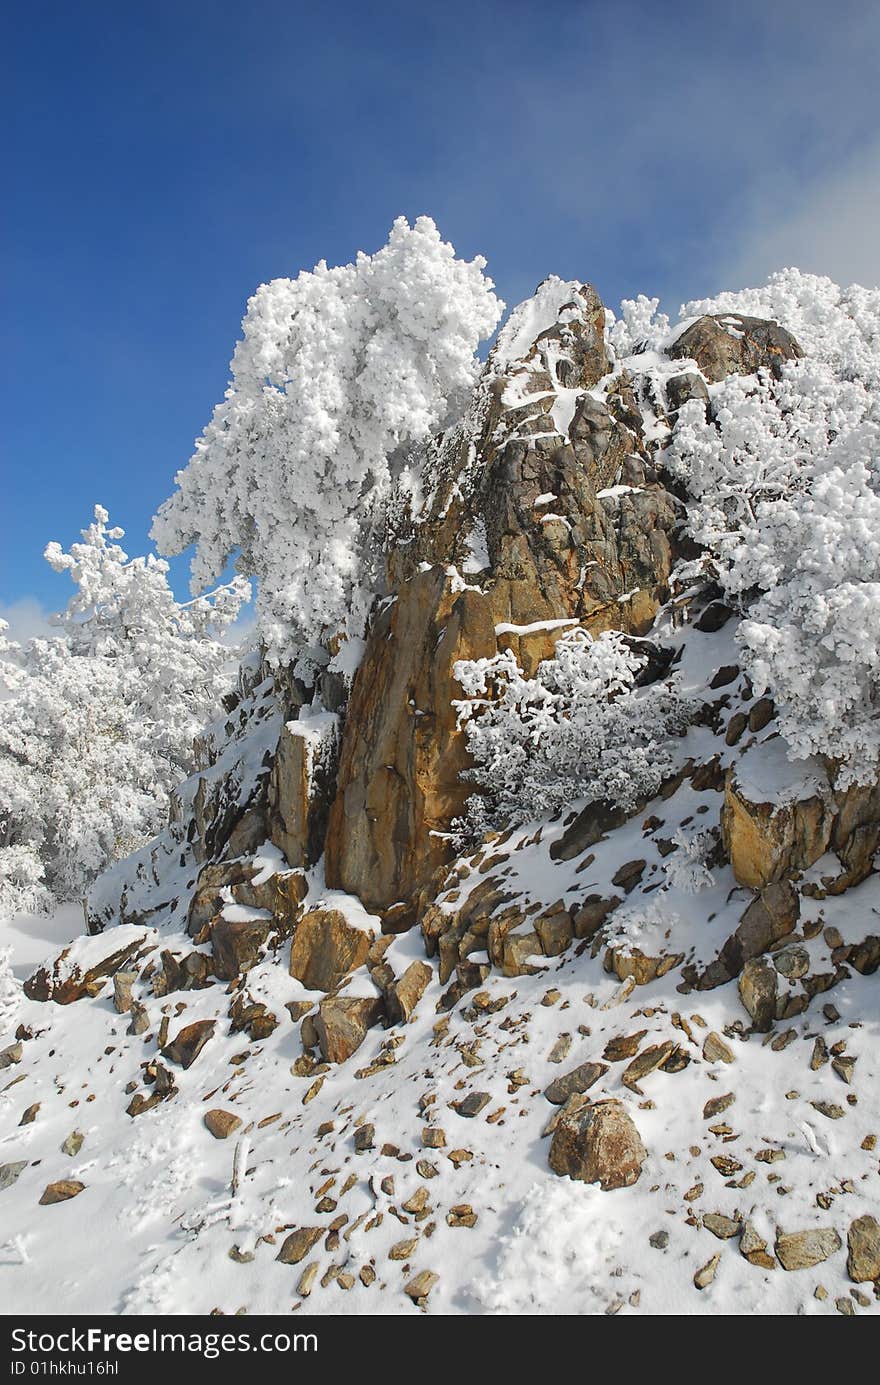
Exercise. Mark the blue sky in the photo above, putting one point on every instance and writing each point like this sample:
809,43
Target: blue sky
161,160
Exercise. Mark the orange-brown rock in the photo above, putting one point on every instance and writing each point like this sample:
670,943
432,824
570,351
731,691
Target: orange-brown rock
399,779
301,786
598,1144
64,981
768,837
325,948
341,1024
731,344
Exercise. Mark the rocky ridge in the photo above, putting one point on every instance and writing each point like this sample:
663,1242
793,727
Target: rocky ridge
637,1004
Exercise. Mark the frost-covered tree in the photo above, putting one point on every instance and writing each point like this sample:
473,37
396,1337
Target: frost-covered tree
339,374
10,992
784,479
98,722
580,728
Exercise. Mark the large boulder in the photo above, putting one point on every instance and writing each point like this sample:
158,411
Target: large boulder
598,1143
772,915
730,344
326,947
342,1022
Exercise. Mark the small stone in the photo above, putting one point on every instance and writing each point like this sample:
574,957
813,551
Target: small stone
461,1215
716,1104
10,1055
9,1173
758,987
863,1241
364,1137
715,1050
577,1081
598,1144
706,1273
298,1244
721,1226
623,1046
367,1275
844,1306
189,1042
433,1137
800,1250
829,1109
222,1124
472,1104
61,1191
659,1240
421,1286
307,1279
845,1067
402,1250
426,1170
73,1144
30,1115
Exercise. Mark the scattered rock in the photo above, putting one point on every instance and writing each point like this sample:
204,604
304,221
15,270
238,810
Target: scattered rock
61,1191
73,1144
704,1276
342,1022
863,1241
598,1144
221,1123
297,1245
800,1250
418,1288
9,1173
326,947
715,1050
189,1042
572,1083
472,1104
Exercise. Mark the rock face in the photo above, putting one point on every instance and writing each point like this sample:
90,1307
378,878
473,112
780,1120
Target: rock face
401,753
301,786
730,344
598,1144
767,840
553,510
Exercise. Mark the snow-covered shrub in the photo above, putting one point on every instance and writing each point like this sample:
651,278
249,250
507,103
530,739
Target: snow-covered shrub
578,729
639,326
784,479
687,868
99,722
339,375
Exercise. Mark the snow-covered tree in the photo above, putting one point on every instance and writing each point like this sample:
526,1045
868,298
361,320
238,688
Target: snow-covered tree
10,992
784,479
339,375
98,722
578,729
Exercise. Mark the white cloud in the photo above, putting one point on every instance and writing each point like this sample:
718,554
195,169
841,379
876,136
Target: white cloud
26,618
827,227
